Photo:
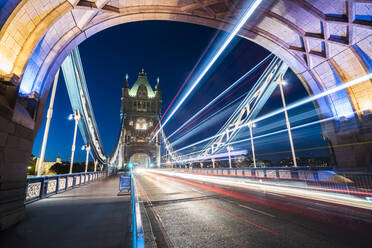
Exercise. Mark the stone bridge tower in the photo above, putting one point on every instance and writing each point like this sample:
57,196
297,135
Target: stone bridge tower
140,108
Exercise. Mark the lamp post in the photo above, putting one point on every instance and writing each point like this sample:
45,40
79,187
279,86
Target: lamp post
87,149
47,125
76,117
251,125
229,149
281,83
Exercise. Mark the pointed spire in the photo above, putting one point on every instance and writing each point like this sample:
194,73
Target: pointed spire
142,72
157,87
126,84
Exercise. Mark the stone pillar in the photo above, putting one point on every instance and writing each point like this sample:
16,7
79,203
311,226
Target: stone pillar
16,141
350,142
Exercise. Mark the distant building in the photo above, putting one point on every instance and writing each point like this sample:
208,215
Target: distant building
47,165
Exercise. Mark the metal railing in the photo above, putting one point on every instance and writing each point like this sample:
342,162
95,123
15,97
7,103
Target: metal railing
40,187
138,237
314,178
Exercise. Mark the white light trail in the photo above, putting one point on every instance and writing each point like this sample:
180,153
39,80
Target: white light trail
292,106
267,134
284,188
212,119
236,29
222,94
219,155
315,97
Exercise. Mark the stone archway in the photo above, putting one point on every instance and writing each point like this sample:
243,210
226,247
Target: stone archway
325,43
141,160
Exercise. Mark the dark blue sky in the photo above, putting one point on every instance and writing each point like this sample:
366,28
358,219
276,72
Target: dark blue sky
168,50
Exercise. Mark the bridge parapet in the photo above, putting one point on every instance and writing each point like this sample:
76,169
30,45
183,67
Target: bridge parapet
40,187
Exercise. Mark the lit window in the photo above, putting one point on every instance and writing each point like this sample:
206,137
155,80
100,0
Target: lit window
141,124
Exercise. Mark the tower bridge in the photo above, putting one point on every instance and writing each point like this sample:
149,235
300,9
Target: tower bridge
140,111
326,43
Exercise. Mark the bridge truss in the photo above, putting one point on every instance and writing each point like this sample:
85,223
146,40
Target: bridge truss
80,102
243,116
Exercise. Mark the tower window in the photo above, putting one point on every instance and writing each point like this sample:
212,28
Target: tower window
141,124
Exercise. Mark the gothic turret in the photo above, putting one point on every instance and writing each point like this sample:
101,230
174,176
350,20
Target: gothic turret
124,95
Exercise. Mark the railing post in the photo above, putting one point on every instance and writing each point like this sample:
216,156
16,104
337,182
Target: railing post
42,187
66,186
57,184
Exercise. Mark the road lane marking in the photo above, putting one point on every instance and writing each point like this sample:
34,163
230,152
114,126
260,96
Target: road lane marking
243,219
256,210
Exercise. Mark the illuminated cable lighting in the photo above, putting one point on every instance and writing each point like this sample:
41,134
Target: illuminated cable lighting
236,29
222,94
271,133
274,133
208,121
187,78
320,95
294,105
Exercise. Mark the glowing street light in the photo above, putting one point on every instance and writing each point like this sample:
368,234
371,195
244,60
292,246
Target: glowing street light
251,126
86,148
281,83
76,116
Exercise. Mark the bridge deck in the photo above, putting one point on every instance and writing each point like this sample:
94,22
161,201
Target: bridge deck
89,216
191,213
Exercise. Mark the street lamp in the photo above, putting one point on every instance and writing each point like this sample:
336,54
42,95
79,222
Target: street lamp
86,148
47,125
95,165
281,82
251,126
229,149
76,116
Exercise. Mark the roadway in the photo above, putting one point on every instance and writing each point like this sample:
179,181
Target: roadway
91,215
192,213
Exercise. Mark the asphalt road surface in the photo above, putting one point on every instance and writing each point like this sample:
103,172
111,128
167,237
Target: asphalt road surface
190,213
91,215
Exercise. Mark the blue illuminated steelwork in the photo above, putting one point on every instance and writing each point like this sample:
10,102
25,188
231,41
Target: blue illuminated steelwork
80,101
249,107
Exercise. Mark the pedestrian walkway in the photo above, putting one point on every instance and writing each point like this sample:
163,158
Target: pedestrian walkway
89,216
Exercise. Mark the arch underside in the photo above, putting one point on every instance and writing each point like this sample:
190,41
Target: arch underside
326,44
140,159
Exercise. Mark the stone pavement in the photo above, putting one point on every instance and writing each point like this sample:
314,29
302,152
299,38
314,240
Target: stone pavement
89,216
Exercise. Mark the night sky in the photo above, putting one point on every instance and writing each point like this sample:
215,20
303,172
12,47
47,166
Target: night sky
169,50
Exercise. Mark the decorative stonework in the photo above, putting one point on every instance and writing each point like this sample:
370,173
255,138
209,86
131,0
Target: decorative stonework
140,111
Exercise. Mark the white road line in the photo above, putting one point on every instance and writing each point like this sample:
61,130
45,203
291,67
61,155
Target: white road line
256,210
275,194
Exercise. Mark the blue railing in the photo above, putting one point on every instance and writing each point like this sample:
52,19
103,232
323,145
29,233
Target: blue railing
40,187
138,237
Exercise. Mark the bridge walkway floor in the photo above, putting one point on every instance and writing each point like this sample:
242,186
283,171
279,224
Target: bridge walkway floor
91,215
